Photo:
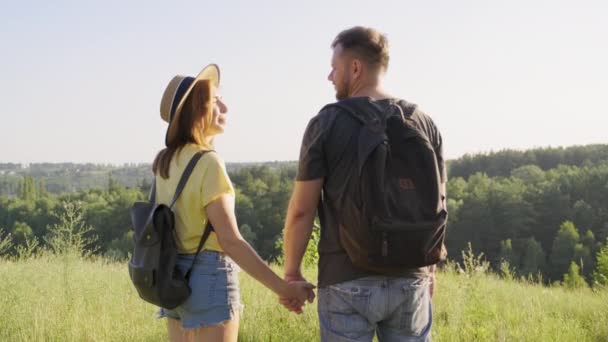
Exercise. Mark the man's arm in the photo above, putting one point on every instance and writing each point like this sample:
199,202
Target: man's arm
298,224
303,205
444,250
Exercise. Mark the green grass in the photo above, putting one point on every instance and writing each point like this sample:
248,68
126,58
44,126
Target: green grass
70,299
486,308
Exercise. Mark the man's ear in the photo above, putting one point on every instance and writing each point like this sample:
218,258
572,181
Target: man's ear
356,67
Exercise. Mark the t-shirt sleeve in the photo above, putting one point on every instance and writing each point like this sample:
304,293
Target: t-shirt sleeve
215,179
437,141
312,160
438,146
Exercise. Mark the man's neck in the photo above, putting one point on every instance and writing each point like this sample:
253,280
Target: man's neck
374,91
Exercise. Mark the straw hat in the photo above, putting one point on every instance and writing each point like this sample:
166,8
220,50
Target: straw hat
176,94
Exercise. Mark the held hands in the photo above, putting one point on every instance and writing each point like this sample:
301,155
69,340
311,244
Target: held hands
298,292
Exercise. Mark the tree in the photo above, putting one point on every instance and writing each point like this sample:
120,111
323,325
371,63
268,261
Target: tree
603,234
588,240
456,188
583,256
145,185
512,215
532,258
21,232
5,242
529,173
474,216
551,206
248,234
28,189
600,275
573,279
118,249
113,184
41,188
506,253
563,249
583,213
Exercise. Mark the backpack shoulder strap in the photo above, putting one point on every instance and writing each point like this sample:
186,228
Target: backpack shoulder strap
180,186
367,112
360,109
408,108
206,233
186,174
407,112
152,195
372,131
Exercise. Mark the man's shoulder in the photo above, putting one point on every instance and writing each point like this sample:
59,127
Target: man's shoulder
332,109
426,123
406,105
416,113
366,104
329,113
352,109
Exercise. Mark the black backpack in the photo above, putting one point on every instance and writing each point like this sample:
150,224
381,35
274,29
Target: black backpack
392,215
152,267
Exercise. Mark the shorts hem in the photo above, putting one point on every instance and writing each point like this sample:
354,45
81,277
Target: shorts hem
204,323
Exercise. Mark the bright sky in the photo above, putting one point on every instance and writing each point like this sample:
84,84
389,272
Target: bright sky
81,81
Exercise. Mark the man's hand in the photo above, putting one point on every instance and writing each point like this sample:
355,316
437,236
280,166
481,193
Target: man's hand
304,293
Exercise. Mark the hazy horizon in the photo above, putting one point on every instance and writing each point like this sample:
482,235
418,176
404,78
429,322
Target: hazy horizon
283,161
82,81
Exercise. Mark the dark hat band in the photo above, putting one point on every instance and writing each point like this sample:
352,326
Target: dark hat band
183,87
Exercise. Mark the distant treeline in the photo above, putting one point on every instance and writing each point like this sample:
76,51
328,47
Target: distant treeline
503,162
539,210
59,178
70,177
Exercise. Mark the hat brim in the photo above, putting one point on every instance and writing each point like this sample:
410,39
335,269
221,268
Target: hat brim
210,72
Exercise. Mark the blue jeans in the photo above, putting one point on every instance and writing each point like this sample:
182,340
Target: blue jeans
396,309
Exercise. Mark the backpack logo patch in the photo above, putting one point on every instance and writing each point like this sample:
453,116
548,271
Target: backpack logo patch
406,184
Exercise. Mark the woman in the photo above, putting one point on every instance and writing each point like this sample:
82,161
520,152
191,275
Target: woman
196,114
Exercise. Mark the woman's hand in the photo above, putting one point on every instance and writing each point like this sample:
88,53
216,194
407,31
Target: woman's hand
296,294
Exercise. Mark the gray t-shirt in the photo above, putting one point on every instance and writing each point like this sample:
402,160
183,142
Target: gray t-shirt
329,151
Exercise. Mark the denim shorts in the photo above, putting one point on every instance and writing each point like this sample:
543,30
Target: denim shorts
396,309
215,294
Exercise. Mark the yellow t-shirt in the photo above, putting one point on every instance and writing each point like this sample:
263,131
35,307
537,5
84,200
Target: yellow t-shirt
208,181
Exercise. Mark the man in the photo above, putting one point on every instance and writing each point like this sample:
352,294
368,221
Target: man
353,303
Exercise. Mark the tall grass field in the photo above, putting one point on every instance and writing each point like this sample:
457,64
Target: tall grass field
63,298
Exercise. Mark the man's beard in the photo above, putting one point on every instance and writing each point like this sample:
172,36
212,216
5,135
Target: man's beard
342,91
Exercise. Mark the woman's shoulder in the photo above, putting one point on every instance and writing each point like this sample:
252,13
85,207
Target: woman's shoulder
208,154
212,158
214,170
209,160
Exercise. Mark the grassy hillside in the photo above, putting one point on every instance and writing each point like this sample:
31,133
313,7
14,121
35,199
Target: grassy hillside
62,298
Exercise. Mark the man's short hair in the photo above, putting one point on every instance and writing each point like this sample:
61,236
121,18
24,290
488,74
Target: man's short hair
366,43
